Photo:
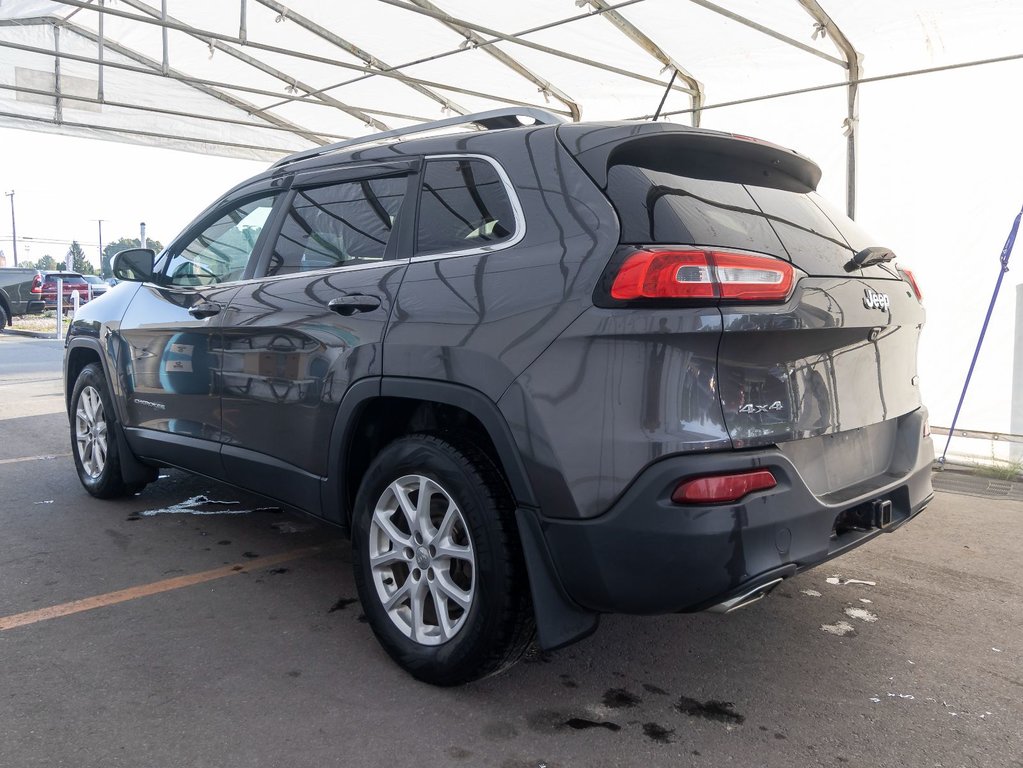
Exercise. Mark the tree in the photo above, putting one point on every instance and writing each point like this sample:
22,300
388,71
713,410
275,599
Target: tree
79,263
114,247
46,263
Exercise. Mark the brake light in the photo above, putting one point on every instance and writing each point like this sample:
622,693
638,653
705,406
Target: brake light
912,281
698,274
37,285
723,488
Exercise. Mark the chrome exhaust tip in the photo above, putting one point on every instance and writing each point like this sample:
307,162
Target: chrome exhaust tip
743,599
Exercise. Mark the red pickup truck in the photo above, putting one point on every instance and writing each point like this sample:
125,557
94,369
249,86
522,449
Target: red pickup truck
46,286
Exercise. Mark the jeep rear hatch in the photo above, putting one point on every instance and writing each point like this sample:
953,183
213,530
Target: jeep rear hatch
812,345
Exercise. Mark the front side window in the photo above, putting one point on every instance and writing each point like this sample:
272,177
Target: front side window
338,225
222,251
464,205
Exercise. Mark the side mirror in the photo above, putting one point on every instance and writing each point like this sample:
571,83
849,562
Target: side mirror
134,264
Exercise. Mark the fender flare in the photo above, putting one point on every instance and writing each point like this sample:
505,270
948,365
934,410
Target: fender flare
485,410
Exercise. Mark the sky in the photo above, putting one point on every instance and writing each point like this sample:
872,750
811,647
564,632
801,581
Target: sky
63,184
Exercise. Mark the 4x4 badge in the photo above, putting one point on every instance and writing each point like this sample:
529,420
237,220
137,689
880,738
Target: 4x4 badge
751,408
875,300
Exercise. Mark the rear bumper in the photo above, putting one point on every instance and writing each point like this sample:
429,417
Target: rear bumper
34,307
649,555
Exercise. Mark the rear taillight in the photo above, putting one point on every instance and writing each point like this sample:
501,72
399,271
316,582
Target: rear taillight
912,281
702,275
719,489
37,285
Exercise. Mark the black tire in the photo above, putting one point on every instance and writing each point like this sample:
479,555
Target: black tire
5,318
498,626
107,482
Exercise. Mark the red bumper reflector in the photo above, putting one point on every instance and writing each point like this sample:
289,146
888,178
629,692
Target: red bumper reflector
722,488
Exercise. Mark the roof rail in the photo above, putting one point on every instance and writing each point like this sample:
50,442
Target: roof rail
490,120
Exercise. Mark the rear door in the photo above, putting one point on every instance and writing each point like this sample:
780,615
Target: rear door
171,332
298,337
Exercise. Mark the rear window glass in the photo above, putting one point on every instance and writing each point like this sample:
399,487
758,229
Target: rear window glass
338,225
814,243
659,207
464,205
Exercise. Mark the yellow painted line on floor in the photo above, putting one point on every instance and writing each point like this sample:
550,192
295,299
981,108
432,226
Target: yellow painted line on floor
145,590
35,458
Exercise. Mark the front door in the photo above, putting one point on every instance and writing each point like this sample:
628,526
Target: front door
172,334
298,338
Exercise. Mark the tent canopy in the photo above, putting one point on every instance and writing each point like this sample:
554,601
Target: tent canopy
258,78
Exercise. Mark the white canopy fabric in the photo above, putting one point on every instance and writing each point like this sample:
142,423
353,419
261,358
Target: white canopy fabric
937,110
256,78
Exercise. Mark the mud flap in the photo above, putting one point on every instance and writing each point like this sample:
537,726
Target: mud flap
559,621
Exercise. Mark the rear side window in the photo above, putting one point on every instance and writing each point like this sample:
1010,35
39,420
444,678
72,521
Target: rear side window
661,207
464,205
338,225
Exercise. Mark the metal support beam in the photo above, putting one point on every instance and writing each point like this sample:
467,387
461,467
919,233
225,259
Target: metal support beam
152,67
294,82
769,32
163,32
372,61
855,61
100,46
217,84
546,87
243,23
207,35
462,49
637,36
526,44
148,134
171,112
58,102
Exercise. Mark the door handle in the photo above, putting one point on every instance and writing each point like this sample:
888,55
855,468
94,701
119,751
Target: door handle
205,309
356,302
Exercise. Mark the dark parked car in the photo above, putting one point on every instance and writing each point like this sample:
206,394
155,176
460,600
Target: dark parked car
538,373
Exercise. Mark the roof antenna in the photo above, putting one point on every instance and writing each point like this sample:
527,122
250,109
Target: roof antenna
664,98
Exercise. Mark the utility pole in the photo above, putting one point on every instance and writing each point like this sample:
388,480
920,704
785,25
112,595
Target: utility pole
14,229
100,223
142,235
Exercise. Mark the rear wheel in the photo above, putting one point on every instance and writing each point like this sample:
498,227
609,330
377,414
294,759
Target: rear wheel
438,563
5,319
93,439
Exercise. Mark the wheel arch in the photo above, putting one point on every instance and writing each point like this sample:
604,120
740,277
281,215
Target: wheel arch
80,353
378,410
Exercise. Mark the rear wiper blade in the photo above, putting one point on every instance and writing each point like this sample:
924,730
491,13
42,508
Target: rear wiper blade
875,254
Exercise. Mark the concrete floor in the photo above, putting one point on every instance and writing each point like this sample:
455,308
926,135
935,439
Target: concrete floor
270,665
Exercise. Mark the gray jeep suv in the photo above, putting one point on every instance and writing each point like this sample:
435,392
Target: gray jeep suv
538,372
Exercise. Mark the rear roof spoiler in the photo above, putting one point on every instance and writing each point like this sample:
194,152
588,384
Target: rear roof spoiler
690,152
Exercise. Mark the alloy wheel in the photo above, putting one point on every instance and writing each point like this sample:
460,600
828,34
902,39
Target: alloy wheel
91,432
422,559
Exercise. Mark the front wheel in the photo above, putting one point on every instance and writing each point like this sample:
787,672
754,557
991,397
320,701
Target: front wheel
93,439
438,563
